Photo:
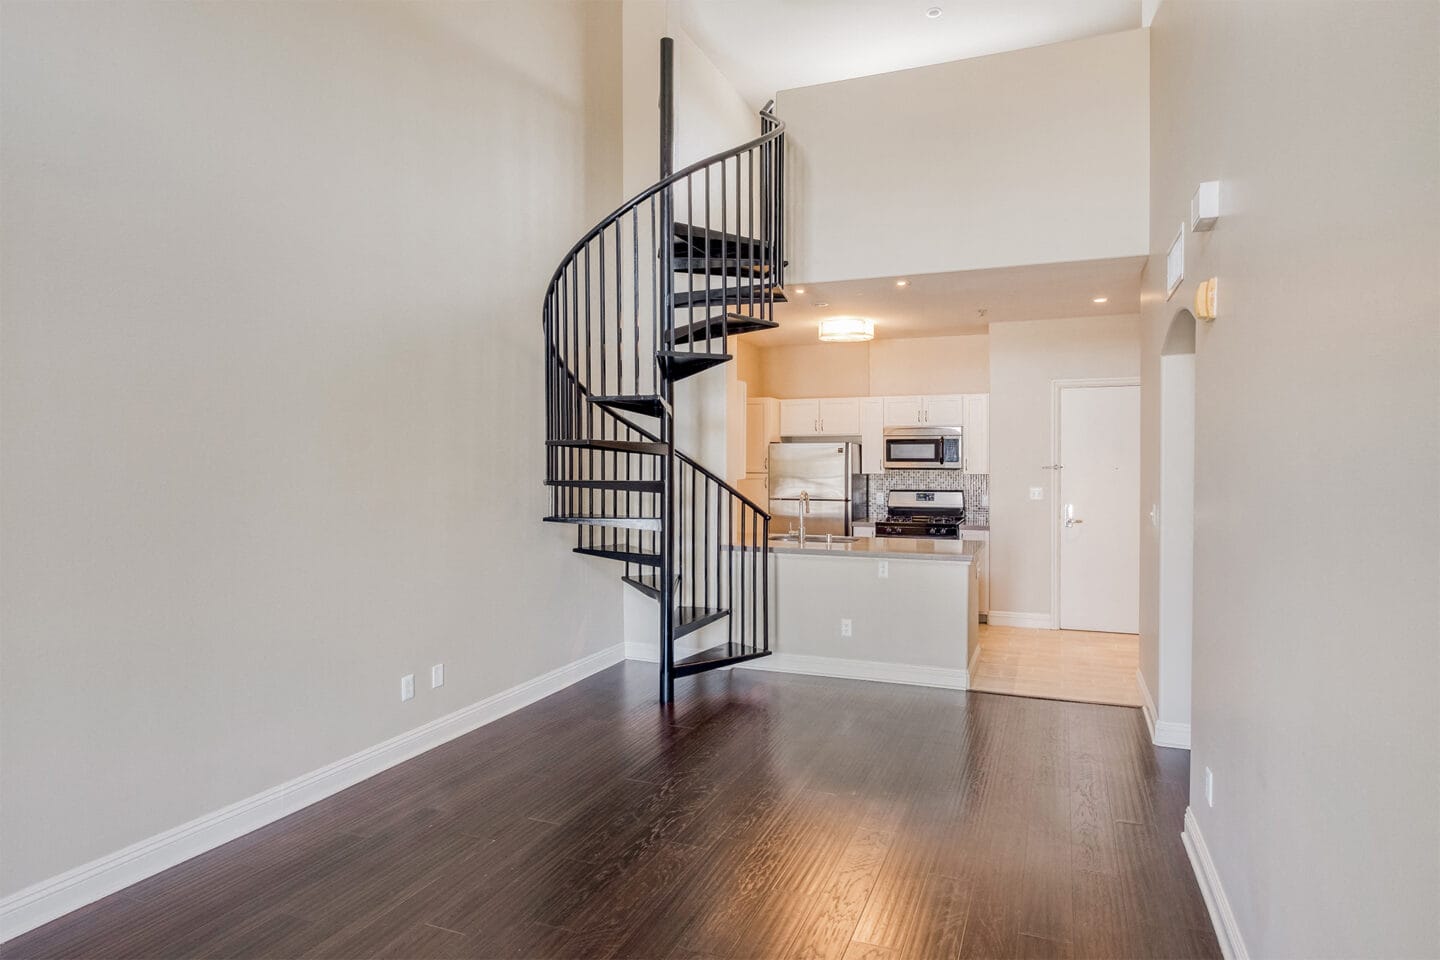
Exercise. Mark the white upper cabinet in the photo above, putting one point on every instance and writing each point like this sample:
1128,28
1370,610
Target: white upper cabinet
799,418
762,427
943,412
872,435
841,417
976,433
904,411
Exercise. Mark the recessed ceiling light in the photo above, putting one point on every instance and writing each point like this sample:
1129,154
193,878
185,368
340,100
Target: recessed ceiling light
799,289
902,283
1100,300
934,13
847,329
820,303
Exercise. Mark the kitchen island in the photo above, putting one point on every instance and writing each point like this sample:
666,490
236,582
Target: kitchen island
878,608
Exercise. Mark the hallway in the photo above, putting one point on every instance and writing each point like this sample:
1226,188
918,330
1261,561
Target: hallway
1058,665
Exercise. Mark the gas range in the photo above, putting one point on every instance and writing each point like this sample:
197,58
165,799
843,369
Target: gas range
932,514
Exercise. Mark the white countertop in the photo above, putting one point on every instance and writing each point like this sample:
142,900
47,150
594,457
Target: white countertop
888,548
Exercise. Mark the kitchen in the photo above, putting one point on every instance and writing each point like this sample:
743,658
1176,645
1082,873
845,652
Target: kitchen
867,415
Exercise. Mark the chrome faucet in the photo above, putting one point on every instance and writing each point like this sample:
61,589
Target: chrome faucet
804,509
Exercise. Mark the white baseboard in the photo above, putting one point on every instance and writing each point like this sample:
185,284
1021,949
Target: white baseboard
974,659
1163,733
1006,618
44,901
947,677
1232,945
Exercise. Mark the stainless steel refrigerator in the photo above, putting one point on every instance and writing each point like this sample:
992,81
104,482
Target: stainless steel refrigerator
827,470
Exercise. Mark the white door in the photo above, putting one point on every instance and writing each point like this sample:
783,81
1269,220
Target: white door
840,417
903,411
1099,515
799,418
944,412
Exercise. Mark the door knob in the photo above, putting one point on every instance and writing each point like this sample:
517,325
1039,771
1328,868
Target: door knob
1071,521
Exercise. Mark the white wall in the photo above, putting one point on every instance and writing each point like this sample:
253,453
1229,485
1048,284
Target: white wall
1036,156
272,396
1168,679
1024,358
1317,458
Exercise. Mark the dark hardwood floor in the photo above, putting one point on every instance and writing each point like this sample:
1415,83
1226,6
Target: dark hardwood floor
768,816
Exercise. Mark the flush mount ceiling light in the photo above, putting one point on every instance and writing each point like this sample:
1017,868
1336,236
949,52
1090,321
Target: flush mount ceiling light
1101,300
847,329
902,283
934,13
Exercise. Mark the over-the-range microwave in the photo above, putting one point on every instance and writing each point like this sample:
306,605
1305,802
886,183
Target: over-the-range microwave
923,448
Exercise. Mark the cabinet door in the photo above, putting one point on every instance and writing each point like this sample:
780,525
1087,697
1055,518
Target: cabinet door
872,435
840,417
943,412
903,411
799,418
976,436
757,443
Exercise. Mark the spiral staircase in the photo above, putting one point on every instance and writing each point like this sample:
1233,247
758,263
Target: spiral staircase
650,296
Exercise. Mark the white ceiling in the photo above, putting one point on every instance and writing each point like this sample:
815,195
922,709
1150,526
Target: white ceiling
949,304
762,46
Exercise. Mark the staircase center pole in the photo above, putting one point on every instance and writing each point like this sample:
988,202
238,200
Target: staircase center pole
669,548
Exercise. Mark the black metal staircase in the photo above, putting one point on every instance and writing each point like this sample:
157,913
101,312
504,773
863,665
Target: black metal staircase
650,296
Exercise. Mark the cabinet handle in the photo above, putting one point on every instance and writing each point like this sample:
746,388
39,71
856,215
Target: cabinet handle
816,428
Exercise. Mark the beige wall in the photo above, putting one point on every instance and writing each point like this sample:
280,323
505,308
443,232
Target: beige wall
930,365
1036,156
272,389
880,368
1024,358
816,370
1317,458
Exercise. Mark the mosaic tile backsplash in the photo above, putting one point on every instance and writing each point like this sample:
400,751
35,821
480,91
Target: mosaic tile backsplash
975,485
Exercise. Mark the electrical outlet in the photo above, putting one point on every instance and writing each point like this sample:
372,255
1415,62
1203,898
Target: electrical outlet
884,569
1209,787
437,676
846,628
1037,493
407,687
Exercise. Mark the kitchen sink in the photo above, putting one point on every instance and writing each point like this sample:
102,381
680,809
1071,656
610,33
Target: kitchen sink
809,538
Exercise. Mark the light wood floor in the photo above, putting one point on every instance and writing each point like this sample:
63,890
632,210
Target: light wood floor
1058,664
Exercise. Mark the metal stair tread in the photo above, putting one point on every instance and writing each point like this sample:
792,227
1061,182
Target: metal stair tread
627,486
620,446
645,404
628,523
730,295
628,556
690,619
723,655
679,364
734,324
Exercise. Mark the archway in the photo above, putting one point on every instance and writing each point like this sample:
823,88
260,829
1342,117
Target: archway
1177,531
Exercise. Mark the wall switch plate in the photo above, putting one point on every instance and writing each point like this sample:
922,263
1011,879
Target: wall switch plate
884,569
437,676
1209,787
1037,493
846,628
407,687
